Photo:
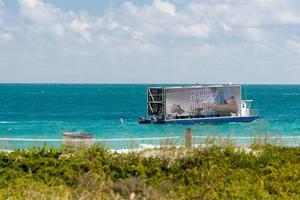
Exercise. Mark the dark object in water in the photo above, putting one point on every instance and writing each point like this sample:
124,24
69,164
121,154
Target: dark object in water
78,139
152,120
142,120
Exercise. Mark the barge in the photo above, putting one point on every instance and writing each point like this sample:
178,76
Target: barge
207,104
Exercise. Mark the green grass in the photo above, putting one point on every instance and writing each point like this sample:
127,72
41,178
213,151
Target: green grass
218,172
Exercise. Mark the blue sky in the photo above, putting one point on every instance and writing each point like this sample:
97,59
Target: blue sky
145,41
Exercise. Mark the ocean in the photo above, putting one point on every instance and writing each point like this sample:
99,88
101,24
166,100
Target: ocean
47,110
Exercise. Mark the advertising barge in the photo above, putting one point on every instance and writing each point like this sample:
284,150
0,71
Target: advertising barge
209,104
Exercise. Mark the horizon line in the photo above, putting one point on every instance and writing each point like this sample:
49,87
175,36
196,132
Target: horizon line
145,83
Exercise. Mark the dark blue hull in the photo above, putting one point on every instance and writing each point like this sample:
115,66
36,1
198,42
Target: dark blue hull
211,120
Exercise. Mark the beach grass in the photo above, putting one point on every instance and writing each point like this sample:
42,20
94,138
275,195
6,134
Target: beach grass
204,172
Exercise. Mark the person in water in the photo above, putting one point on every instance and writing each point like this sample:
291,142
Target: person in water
209,102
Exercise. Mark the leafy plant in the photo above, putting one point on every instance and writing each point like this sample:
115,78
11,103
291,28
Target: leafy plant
215,172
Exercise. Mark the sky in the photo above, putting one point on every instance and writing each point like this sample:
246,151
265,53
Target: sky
150,41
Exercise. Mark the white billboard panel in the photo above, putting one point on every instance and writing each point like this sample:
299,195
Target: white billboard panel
202,101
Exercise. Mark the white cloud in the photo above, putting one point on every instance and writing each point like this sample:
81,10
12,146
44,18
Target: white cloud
165,7
293,45
196,30
146,21
58,30
30,3
47,19
225,26
267,3
288,18
194,35
226,20
296,67
1,5
82,28
39,11
1,9
5,38
255,34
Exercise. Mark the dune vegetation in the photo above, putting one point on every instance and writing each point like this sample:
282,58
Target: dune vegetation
215,172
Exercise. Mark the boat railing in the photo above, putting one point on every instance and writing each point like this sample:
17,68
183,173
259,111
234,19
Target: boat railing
246,109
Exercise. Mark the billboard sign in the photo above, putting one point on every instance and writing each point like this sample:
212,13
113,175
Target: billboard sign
209,101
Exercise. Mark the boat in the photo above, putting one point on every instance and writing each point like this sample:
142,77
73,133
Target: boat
78,139
197,104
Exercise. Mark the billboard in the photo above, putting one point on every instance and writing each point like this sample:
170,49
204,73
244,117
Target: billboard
207,101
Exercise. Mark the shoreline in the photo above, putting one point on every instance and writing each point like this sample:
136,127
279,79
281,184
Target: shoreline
139,144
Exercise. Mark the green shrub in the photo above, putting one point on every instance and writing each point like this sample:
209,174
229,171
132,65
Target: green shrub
218,172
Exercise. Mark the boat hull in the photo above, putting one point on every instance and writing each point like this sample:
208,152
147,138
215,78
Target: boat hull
212,120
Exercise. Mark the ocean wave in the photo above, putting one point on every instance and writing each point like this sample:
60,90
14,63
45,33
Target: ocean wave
291,94
32,121
140,148
34,93
8,122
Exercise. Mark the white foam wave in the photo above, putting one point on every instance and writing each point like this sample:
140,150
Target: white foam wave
8,122
291,94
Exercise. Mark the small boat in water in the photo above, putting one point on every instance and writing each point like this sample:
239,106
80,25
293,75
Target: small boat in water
78,139
209,104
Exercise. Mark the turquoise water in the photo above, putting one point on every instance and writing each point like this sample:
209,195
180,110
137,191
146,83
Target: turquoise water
47,110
